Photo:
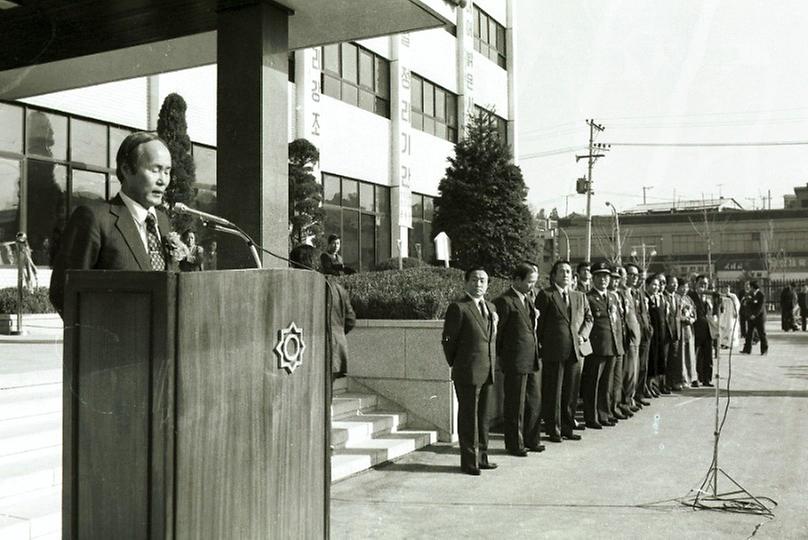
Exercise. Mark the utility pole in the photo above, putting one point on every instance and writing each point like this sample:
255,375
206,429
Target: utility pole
644,190
591,158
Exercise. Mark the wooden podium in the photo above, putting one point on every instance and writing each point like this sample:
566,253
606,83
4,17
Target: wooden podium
185,412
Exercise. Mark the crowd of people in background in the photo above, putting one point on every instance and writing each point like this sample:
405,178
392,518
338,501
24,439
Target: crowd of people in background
608,336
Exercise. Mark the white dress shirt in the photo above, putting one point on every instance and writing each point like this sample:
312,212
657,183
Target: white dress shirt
139,216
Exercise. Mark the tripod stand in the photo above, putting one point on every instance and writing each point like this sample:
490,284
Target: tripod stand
707,496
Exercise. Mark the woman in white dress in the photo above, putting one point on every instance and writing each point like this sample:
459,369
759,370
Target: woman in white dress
728,323
687,315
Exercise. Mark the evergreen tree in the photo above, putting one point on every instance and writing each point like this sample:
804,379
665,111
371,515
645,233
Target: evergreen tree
173,129
305,194
482,203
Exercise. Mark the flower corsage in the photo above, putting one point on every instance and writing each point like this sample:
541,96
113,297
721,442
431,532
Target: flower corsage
174,247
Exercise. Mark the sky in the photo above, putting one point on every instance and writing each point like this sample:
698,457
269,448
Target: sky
688,71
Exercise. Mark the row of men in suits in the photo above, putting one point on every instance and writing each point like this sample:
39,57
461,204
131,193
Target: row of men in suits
611,338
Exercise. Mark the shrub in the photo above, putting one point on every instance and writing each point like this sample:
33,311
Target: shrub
406,262
32,302
415,293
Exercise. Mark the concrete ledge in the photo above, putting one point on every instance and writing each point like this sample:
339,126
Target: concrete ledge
45,322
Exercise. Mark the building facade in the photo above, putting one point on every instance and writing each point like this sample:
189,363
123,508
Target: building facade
384,113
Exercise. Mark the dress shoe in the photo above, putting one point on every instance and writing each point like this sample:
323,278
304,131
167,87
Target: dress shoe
676,388
665,390
764,353
579,427
572,436
473,471
708,384
519,452
626,411
612,419
643,402
554,438
694,384
539,448
608,423
634,408
620,416
488,466
594,425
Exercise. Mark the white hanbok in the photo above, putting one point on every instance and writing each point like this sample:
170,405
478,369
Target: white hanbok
729,326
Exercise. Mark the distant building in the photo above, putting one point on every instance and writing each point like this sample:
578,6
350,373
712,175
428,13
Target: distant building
798,200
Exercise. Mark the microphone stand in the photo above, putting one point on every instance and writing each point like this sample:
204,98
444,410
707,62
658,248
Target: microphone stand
240,234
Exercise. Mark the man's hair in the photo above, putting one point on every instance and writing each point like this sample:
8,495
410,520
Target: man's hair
702,276
531,263
303,257
523,270
332,237
754,284
631,265
128,153
473,269
582,266
185,234
557,265
651,278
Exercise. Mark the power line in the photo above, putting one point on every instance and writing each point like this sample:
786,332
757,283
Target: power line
554,152
708,145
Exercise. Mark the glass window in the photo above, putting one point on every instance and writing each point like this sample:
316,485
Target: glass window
382,199
383,240
416,239
382,77
350,93
331,190
331,58
417,120
87,186
331,86
116,137
429,99
428,249
350,193
350,238
439,108
47,135
367,100
429,208
416,93
367,242
451,110
333,221
11,128
88,142
366,201
45,207
349,69
365,69
9,208
440,105
417,207
205,162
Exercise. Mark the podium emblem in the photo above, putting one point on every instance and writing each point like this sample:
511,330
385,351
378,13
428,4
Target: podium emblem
290,348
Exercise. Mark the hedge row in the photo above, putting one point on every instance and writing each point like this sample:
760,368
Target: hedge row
32,302
414,293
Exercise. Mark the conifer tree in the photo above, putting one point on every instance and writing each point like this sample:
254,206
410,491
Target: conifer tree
482,204
173,129
305,194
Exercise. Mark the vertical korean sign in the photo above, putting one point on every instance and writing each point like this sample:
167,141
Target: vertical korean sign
402,137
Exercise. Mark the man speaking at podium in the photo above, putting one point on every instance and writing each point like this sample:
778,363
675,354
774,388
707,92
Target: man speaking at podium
126,233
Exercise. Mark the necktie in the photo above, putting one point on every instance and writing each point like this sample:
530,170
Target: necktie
564,297
156,258
483,310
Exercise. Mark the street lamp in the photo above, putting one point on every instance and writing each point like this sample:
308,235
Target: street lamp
645,253
567,238
617,229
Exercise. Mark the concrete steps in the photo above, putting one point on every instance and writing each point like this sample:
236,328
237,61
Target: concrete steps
365,432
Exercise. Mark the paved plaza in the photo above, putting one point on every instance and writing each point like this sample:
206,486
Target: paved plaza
621,482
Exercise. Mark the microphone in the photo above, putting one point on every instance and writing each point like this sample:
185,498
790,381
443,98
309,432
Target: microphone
204,216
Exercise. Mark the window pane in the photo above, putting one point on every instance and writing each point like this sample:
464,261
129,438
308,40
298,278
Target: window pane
382,77
115,188
476,22
429,208
492,32
483,28
331,86
501,39
440,130
367,100
429,125
451,110
45,207
428,249
11,128
429,99
451,134
366,201
416,238
417,120
88,142
367,255
416,94
87,186
417,207
9,208
382,199
350,193
383,243
382,107
331,58
350,238
365,69
350,94
440,104
349,62
333,221
205,162
116,137
331,193
47,135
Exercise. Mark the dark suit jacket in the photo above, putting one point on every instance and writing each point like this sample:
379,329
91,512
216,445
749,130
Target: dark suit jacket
331,264
630,306
643,314
701,328
757,305
517,348
673,322
343,319
802,301
605,337
559,326
469,342
101,236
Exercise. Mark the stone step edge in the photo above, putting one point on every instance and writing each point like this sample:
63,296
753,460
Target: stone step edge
370,425
345,465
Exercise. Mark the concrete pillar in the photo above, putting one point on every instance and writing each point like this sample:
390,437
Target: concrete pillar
510,44
152,101
252,161
401,143
465,66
